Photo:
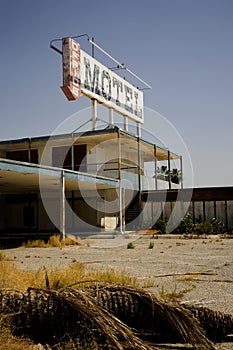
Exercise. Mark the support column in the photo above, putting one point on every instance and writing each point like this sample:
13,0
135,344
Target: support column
121,224
169,169
29,151
120,208
226,216
194,215
72,154
139,164
123,207
73,208
181,172
62,206
156,176
139,181
203,205
94,113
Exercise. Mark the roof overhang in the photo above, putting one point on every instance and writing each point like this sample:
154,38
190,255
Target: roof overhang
94,137
21,177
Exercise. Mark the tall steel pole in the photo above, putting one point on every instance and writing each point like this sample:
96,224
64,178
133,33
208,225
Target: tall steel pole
94,113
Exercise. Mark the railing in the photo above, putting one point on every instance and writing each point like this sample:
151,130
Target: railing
129,176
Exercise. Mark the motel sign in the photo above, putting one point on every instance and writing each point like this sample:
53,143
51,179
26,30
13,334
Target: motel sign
83,74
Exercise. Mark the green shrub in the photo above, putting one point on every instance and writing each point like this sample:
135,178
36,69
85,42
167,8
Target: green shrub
186,225
130,245
151,245
160,225
218,226
204,227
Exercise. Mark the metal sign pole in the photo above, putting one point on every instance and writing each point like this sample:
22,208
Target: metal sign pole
125,123
111,118
138,129
94,113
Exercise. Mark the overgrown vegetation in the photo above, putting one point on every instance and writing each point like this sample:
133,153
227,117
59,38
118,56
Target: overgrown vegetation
76,274
151,245
105,316
10,342
176,294
204,227
130,245
188,227
12,277
51,299
3,257
213,226
54,241
218,226
160,225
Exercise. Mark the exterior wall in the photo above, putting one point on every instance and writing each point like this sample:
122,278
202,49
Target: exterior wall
230,213
3,212
102,159
205,205
19,212
44,223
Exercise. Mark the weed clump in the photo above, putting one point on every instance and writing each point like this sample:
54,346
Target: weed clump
130,245
3,257
151,245
53,242
75,274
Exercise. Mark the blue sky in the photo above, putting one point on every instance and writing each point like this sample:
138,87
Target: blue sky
183,48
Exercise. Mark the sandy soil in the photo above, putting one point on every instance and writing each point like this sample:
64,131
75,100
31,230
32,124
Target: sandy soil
201,268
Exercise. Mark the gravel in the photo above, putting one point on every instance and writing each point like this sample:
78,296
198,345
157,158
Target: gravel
201,269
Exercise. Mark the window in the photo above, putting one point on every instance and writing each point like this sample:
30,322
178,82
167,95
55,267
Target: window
23,155
29,216
61,157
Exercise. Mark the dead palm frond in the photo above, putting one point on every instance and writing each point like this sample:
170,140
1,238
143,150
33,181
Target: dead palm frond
60,317
149,316
217,325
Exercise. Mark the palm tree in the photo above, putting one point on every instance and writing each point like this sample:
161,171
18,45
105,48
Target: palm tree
175,175
163,173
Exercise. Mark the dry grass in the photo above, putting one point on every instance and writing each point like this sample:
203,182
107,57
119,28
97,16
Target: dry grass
9,342
176,294
54,241
76,273
3,257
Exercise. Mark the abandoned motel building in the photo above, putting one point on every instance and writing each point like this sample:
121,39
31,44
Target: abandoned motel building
99,181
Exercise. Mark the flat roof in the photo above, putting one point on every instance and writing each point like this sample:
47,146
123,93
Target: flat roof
106,133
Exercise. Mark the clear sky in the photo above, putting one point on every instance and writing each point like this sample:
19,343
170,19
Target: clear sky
183,48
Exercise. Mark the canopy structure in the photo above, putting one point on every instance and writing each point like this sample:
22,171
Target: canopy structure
104,166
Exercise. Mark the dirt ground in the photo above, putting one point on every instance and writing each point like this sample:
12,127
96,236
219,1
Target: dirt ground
200,269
